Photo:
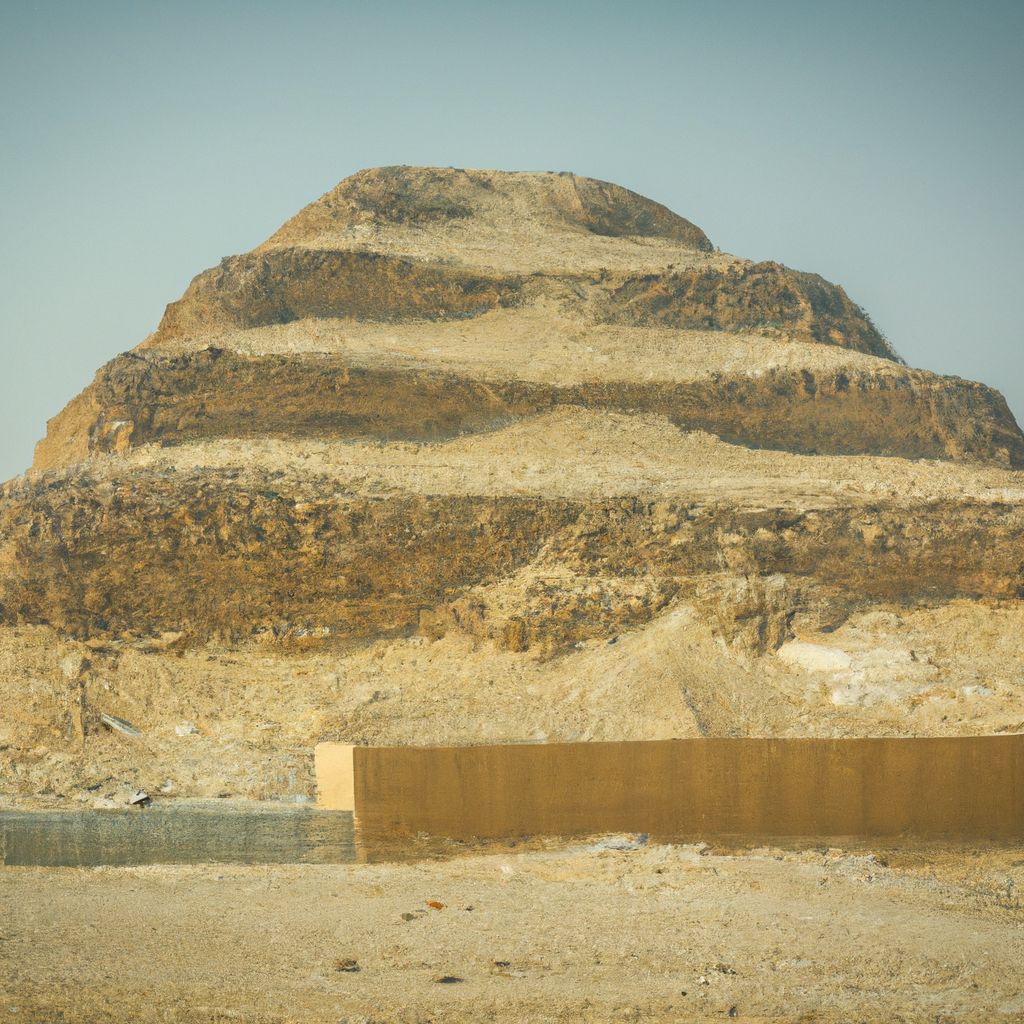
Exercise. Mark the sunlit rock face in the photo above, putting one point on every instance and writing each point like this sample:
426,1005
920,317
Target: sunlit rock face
535,432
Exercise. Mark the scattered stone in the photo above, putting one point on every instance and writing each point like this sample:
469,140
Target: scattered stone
619,843
856,693
732,1011
103,646
186,729
119,725
346,964
73,666
976,691
165,642
436,904
139,797
448,979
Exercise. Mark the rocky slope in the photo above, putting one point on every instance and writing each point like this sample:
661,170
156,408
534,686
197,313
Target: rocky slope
463,455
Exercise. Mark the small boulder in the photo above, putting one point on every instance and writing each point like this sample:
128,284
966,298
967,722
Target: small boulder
119,725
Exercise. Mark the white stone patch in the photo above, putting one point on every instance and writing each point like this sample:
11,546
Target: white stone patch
856,691
814,657
976,691
866,676
867,689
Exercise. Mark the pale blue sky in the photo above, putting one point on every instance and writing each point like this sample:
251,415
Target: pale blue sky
878,144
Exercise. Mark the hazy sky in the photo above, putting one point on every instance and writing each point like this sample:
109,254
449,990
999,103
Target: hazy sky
880,145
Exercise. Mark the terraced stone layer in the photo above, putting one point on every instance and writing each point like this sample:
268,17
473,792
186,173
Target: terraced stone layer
278,287
744,297
135,400
283,285
205,555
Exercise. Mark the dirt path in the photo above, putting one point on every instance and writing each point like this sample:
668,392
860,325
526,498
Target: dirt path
585,933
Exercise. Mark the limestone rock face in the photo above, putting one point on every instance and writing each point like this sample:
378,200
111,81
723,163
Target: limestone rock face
513,424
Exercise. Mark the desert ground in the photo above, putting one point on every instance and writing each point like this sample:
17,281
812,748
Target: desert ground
603,930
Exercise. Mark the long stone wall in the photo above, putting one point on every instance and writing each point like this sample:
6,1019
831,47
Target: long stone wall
923,788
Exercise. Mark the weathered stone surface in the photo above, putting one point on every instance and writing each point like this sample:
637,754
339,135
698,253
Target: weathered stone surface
149,554
483,199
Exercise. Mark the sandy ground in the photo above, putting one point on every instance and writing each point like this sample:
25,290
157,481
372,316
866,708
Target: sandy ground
567,933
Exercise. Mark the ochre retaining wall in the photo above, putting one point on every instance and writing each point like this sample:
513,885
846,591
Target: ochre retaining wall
959,787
